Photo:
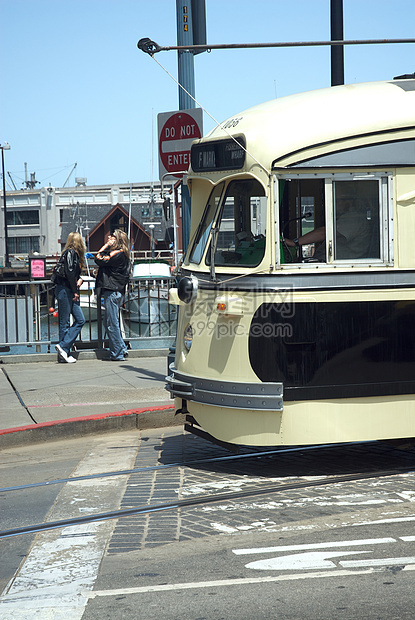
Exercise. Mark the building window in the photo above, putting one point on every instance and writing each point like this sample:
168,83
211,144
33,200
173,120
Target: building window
119,222
22,218
23,245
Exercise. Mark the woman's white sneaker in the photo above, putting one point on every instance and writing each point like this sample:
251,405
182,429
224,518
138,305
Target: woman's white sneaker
63,354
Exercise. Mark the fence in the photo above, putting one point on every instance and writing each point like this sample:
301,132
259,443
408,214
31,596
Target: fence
29,316
20,261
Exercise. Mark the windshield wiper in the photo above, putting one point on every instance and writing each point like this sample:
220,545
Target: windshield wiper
214,239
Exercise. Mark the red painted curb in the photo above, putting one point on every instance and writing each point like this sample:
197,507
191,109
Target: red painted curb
99,416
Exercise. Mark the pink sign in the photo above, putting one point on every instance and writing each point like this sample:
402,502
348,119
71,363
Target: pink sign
38,268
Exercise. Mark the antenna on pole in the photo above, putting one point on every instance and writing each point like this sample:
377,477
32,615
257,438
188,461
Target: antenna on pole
32,183
11,179
69,175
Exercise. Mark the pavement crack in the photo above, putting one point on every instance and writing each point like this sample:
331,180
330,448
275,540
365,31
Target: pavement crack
18,395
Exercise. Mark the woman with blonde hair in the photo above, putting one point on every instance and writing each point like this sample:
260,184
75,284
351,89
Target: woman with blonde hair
113,260
67,295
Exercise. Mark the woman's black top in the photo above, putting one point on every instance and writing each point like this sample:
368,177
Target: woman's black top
72,270
113,273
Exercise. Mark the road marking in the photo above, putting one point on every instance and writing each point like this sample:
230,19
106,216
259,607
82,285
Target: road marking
309,560
232,582
63,564
377,562
326,545
382,521
301,561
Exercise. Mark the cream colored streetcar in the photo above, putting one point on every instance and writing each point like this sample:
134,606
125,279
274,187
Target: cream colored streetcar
296,320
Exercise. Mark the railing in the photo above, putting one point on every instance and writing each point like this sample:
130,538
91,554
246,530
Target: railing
29,316
22,260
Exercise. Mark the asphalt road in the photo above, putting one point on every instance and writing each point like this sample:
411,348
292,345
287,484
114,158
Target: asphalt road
342,548
349,572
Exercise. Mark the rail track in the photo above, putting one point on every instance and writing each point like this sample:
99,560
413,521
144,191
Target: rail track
256,489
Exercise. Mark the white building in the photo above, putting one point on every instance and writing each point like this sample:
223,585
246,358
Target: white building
39,220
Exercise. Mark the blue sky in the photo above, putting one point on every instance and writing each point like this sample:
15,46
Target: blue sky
75,88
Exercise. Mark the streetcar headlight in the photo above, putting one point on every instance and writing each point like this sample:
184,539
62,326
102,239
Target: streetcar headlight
187,289
188,336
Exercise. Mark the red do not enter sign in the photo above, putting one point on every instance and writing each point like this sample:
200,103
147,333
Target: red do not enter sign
176,134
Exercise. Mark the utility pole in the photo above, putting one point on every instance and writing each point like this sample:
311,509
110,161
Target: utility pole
191,30
337,51
5,147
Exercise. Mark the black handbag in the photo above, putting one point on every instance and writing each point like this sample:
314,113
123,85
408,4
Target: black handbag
58,270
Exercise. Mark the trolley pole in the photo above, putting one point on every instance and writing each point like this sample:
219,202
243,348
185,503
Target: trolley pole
337,51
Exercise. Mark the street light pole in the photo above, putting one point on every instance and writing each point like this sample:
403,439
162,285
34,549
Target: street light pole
5,147
151,227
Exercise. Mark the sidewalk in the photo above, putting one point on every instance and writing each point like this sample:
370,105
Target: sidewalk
42,400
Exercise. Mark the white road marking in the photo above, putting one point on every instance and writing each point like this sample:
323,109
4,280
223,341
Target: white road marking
62,565
171,587
268,525
301,561
326,545
168,587
377,562
223,528
382,521
56,571
407,538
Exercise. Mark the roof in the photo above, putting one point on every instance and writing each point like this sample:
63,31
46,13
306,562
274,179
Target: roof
290,124
108,215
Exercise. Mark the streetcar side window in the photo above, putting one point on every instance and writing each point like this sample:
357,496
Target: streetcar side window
203,231
241,226
332,219
302,210
356,219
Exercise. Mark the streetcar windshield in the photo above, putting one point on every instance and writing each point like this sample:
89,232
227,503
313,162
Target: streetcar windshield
202,233
241,225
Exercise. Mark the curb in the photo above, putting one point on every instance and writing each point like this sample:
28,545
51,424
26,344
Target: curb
142,419
99,354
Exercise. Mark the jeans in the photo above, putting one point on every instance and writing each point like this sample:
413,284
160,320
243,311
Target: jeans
68,333
113,301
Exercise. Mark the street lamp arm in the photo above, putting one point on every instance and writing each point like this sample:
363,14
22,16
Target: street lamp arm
151,47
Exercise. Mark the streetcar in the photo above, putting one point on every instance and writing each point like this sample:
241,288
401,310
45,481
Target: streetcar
296,298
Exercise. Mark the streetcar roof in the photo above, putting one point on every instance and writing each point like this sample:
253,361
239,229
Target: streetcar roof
282,126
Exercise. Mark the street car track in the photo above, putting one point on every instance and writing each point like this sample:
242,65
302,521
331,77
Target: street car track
200,501
126,472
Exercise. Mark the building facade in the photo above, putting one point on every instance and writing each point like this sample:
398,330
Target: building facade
39,220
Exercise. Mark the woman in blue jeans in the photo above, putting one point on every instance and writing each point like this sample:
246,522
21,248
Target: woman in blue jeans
67,295
113,260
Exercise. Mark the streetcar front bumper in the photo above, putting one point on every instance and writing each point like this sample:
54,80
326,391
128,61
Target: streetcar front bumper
236,395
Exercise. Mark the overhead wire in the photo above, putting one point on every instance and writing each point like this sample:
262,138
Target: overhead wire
218,124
